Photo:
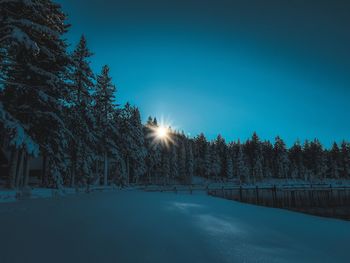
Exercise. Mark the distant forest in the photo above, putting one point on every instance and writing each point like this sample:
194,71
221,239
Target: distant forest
54,106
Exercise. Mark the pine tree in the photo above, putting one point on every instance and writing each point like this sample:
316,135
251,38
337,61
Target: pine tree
174,168
165,167
139,151
132,143
295,154
153,157
254,151
200,154
80,114
345,160
104,114
207,162
215,163
334,161
229,167
34,91
281,158
221,149
318,164
268,153
189,164
182,162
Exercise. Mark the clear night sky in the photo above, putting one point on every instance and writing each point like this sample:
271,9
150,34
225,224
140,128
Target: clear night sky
229,67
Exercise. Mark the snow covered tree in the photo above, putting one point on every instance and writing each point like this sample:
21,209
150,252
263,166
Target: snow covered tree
105,113
153,157
34,91
221,149
229,167
215,163
207,162
281,159
345,160
132,142
165,166
295,154
80,114
182,162
189,163
241,164
139,152
268,153
174,168
334,161
200,153
254,151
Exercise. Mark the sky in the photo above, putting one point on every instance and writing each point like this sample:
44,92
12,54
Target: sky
226,67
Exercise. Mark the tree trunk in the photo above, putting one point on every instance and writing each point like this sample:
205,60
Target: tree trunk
19,168
13,168
26,169
73,167
105,173
127,170
44,172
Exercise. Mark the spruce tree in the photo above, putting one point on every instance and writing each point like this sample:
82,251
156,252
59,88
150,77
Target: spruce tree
215,163
105,113
229,167
281,159
334,161
80,114
345,160
242,168
174,168
182,162
34,91
189,164
295,154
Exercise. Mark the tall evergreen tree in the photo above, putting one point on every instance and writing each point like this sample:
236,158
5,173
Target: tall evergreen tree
215,163
80,114
242,168
189,163
281,159
182,162
295,154
345,160
153,157
334,161
174,168
34,90
104,114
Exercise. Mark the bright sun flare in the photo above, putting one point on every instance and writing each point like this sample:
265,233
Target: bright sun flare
162,132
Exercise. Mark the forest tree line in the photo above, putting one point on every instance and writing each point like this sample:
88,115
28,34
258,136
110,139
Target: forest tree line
52,104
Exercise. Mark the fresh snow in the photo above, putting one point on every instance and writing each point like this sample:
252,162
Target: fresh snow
136,226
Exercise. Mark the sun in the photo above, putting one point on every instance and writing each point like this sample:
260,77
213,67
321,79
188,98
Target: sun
162,132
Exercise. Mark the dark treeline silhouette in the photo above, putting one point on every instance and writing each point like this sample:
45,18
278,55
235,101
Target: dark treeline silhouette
53,106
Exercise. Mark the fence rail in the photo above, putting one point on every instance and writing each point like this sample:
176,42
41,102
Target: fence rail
319,200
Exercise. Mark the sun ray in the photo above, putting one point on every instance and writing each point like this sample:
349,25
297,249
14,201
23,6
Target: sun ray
162,133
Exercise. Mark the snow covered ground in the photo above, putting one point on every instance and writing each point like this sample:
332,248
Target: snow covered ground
135,226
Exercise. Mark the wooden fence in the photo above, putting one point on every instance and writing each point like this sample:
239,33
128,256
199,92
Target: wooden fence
318,200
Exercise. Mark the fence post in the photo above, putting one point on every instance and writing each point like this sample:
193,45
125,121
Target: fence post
240,193
273,191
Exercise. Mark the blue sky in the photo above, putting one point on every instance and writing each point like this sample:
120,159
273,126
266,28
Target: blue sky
228,67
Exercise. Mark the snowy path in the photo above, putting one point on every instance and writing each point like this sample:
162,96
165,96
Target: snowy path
164,227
